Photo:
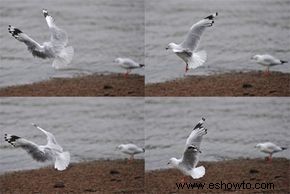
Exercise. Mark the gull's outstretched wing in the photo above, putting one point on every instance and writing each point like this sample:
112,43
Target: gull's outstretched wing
34,47
59,38
190,157
51,141
30,147
193,36
196,134
199,124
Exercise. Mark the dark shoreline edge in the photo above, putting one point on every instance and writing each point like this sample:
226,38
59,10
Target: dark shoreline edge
114,84
253,83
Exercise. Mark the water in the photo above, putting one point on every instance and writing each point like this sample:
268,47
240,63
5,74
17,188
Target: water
99,31
242,29
235,126
89,128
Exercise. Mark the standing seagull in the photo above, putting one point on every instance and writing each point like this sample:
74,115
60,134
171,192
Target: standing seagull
267,61
130,149
49,152
128,64
269,148
187,50
55,48
187,164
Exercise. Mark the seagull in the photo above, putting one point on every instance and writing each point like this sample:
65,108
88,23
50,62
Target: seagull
187,50
55,48
130,149
52,151
128,64
267,61
187,164
269,148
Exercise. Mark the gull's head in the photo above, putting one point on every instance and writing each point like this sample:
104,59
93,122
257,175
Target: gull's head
171,46
255,57
172,161
258,146
118,60
119,147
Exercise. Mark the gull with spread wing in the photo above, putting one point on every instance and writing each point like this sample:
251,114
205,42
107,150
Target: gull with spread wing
187,50
55,48
187,164
52,151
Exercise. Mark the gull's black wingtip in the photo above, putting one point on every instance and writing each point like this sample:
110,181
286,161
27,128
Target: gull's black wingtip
203,118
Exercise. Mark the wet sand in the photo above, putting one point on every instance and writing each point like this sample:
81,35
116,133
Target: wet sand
117,176
233,171
228,84
91,85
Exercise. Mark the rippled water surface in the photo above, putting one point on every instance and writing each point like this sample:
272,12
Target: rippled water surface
99,31
89,128
242,29
235,126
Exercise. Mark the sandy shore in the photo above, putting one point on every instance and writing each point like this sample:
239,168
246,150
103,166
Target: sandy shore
234,171
229,84
117,176
91,85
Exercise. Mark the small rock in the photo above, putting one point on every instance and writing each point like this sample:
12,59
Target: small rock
247,85
114,172
59,185
107,87
252,171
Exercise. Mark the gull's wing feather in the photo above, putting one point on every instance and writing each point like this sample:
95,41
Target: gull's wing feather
195,137
30,147
62,161
34,47
59,37
199,124
51,141
190,157
193,36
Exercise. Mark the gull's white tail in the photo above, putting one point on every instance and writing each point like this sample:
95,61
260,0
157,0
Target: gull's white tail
62,161
64,58
198,172
197,59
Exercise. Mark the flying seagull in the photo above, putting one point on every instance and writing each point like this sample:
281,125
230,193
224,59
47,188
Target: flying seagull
55,48
187,50
269,148
187,164
128,64
130,149
267,61
52,151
